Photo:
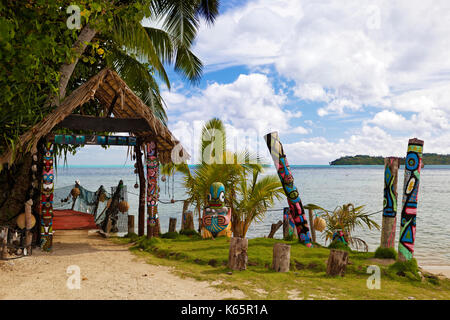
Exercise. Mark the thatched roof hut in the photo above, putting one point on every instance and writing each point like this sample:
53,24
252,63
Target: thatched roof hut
116,98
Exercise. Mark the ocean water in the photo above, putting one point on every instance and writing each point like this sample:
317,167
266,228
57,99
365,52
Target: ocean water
326,186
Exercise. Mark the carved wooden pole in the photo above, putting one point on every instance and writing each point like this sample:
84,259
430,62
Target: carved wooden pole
287,180
288,225
28,225
152,190
142,188
389,222
46,208
413,164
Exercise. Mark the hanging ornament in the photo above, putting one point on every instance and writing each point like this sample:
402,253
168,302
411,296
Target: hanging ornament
163,178
319,224
136,185
123,206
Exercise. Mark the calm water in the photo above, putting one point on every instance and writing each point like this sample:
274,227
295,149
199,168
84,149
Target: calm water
325,186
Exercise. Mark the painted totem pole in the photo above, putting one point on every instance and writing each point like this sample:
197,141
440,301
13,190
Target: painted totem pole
413,164
287,180
216,217
389,222
152,190
46,207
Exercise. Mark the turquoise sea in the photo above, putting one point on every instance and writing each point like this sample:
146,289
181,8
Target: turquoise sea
326,186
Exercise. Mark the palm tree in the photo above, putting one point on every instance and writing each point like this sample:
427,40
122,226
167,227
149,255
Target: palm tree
248,202
345,218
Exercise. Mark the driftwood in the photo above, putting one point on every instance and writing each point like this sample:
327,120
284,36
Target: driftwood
237,259
4,242
337,262
130,224
274,228
172,224
281,257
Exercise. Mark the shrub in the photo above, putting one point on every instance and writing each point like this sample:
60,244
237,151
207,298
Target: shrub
132,236
408,269
386,253
189,232
339,246
170,235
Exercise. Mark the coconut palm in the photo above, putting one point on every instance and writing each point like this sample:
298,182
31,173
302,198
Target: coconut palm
345,218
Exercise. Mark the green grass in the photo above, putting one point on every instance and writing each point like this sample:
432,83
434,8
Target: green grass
386,253
307,279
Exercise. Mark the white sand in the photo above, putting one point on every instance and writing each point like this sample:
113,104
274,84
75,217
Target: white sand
438,270
108,271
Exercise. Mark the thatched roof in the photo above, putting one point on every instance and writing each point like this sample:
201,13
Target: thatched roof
104,86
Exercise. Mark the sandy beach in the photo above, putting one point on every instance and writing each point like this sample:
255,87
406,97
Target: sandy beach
108,271
443,271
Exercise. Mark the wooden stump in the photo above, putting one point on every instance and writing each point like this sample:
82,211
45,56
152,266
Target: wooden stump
4,242
173,225
237,259
274,228
311,225
281,257
187,220
337,262
130,224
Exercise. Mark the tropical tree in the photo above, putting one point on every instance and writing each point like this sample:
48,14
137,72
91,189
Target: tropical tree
345,218
246,194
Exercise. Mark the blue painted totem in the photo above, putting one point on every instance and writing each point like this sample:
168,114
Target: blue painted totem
413,165
287,180
216,217
389,220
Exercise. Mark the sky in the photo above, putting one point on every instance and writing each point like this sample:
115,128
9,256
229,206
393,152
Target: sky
333,77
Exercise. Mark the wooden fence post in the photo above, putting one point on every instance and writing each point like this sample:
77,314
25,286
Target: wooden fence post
337,262
172,224
413,165
389,220
281,257
237,258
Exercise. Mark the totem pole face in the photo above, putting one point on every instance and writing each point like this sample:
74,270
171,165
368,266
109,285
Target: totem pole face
216,196
216,216
284,172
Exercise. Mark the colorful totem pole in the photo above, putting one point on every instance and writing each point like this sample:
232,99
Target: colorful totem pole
413,164
216,217
152,190
389,222
288,225
46,207
287,180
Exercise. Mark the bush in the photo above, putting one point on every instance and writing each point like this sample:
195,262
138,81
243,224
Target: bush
408,269
386,253
170,235
145,243
189,232
132,236
339,246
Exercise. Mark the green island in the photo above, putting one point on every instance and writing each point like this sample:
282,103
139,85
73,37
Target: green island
206,260
428,159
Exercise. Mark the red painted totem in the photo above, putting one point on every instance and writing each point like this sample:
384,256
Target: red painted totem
152,190
46,207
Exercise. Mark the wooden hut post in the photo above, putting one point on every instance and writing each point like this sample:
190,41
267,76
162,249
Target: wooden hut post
28,225
389,220
337,262
152,190
142,187
46,208
281,257
237,258
413,165
172,224
4,243
311,224
287,180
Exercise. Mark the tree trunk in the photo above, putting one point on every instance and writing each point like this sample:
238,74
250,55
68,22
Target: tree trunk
237,259
337,262
187,221
130,224
281,257
274,228
311,225
66,70
172,224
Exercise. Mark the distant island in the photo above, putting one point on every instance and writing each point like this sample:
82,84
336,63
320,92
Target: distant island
428,159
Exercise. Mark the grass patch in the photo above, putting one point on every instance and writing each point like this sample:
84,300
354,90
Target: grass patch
386,253
207,260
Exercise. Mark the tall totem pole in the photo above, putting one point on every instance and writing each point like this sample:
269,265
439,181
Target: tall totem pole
287,180
413,164
152,190
389,222
46,207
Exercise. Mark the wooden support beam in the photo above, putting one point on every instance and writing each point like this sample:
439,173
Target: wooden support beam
81,139
111,107
97,124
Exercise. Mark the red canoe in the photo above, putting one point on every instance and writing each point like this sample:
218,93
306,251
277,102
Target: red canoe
72,220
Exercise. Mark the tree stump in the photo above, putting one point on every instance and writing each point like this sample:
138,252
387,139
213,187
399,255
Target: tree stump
281,257
274,228
4,242
187,220
237,259
173,225
337,262
130,224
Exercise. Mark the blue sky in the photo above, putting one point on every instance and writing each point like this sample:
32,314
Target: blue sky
332,77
